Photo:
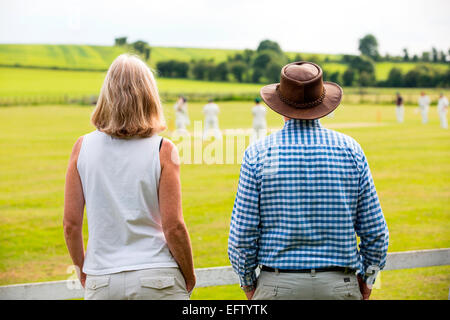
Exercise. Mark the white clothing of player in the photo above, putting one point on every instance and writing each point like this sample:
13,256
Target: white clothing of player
424,106
259,122
400,112
181,115
211,112
442,109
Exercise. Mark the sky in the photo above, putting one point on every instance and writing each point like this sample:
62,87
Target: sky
318,26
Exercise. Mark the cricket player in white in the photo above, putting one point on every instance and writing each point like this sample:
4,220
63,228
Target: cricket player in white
442,109
211,111
424,106
181,114
259,121
399,108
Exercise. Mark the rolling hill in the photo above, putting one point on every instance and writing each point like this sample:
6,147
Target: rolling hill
98,58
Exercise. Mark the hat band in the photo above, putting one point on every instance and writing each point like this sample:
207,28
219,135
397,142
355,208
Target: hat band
301,105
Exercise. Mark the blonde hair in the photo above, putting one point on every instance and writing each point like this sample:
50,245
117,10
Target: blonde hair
129,103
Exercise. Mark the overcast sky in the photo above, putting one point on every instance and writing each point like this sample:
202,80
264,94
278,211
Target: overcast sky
319,26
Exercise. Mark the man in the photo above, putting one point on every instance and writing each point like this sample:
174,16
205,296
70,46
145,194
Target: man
399,109
181,114
304,194
424,105
259,120
211,111
442,108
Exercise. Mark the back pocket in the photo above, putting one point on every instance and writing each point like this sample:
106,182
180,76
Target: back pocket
97,287
157,283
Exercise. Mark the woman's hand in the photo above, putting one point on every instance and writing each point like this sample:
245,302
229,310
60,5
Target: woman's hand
82,278
190,284
73,212
172,220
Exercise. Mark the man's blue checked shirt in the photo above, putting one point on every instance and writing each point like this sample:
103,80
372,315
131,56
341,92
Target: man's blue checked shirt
304,194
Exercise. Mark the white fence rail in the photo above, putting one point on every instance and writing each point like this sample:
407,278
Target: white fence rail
207,277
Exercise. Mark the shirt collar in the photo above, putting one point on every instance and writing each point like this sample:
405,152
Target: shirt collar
297,123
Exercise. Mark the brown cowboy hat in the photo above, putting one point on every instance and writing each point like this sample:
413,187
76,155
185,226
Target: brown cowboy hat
301,93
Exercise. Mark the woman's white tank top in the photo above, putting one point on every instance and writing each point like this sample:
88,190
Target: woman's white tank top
120,179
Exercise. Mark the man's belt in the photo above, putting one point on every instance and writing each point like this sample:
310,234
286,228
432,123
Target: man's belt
330,269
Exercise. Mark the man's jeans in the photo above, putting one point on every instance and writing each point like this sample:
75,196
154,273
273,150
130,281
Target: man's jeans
332,285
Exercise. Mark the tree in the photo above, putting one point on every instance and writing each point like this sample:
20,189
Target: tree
262,60
334,77
411,78
221,72
120,41
203,69
314,59
238,68
181,69
269,45
443,57
248,55
425,56
347,58
422,76
164,69
139,46
298,57
434,54
256,75
272,72
395,78
415,58
405,55
366,79
368,45
142,48
173,69
147,51
362,64
348,77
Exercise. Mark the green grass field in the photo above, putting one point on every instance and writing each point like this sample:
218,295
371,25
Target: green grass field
409,163
100,57
32,83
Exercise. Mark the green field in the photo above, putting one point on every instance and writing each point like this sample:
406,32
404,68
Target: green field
409,163
20,82
100,57
34,84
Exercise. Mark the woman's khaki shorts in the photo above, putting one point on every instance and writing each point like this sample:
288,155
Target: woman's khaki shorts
146,284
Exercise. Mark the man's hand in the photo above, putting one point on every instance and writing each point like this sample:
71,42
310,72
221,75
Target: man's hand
364,289
250,293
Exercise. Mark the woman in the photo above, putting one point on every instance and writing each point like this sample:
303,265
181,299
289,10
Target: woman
128,178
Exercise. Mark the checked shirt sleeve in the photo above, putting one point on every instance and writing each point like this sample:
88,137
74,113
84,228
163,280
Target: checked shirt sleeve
370,225
244,227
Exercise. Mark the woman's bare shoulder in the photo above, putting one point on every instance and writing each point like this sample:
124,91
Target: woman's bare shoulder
169,153
76,149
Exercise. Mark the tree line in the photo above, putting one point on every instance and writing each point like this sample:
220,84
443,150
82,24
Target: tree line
263,65
139,47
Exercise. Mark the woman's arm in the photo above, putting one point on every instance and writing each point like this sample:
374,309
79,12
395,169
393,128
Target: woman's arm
73,213
173,225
